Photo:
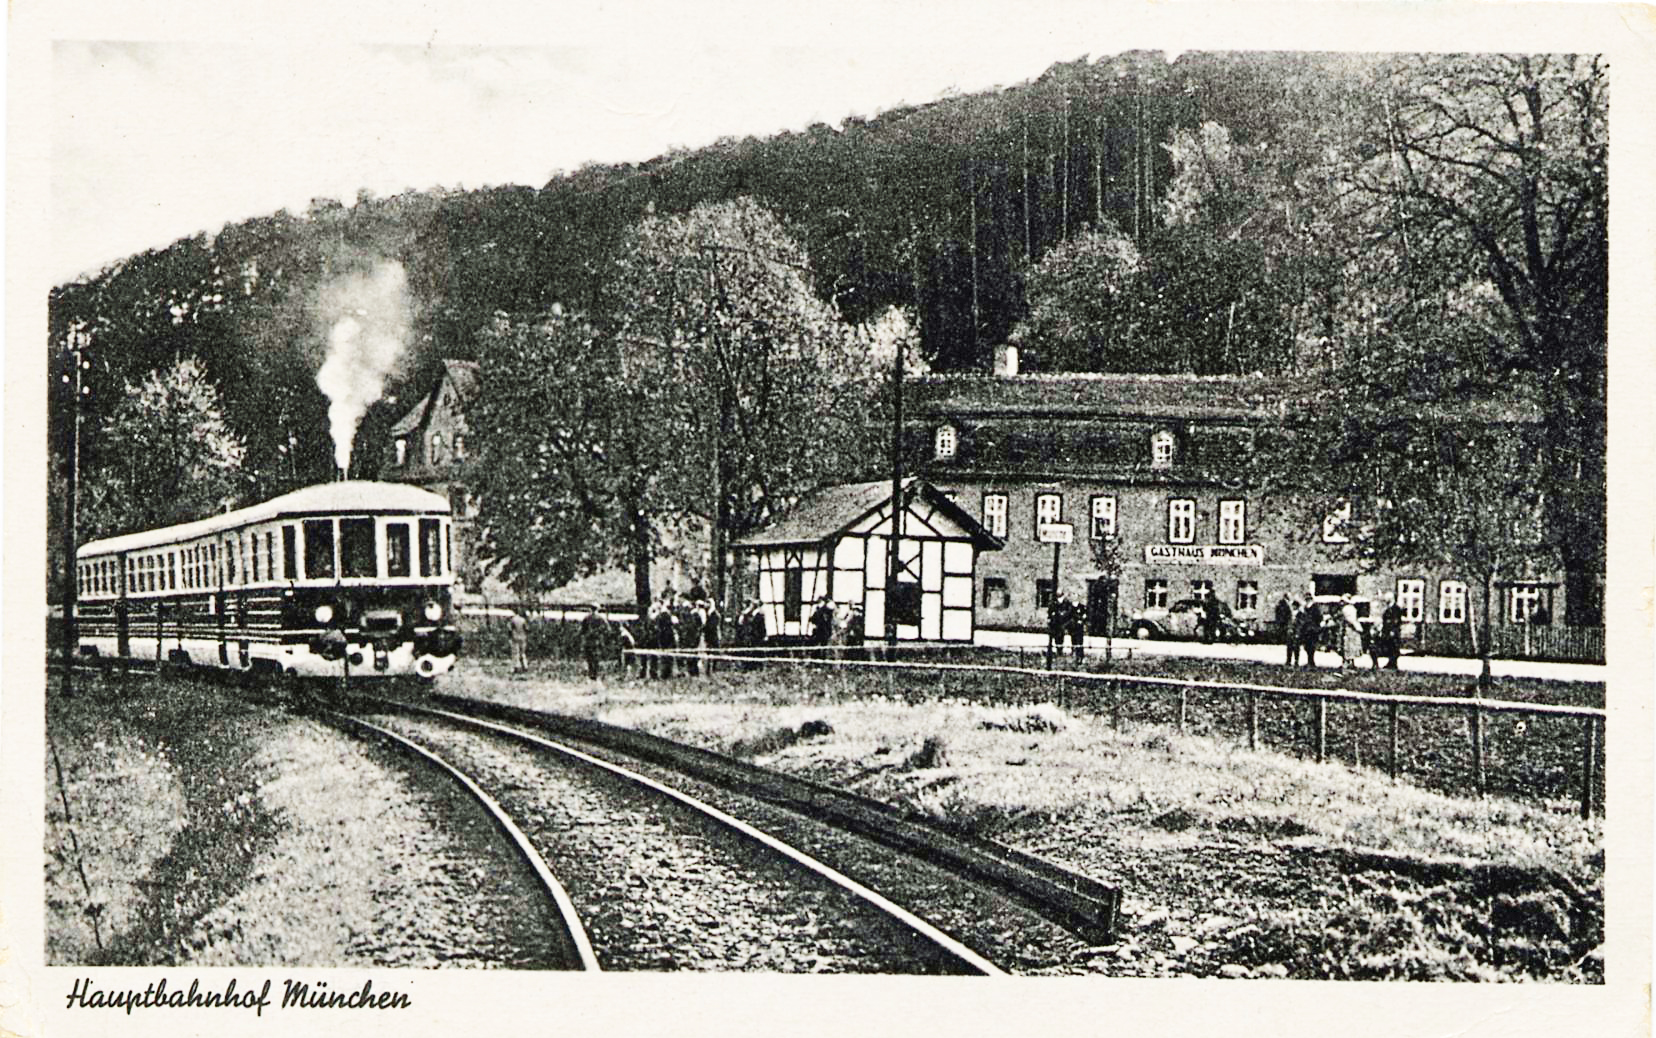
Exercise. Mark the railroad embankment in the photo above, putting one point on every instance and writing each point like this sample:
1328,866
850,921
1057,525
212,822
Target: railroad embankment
1235,862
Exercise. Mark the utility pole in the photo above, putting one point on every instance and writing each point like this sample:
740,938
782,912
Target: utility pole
78,339
896,494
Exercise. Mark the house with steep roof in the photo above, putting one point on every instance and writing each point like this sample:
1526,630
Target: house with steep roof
428,449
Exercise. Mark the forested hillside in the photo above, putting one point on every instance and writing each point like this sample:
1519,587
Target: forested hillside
1223,212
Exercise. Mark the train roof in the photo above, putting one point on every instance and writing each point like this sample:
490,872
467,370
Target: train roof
352,495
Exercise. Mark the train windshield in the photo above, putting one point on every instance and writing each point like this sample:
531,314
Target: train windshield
431,547
396,549
319,548
356,548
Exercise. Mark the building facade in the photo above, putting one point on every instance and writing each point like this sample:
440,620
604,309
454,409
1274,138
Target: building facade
429,449
1151,475
834,546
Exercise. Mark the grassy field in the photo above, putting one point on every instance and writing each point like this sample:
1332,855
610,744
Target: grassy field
1234,862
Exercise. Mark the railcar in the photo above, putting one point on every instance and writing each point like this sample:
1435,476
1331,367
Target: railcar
352,578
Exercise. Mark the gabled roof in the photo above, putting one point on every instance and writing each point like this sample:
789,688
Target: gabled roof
826,514
462,374
1180,396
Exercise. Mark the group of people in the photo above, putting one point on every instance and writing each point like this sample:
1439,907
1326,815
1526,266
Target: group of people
1066,619
672,622
1304,627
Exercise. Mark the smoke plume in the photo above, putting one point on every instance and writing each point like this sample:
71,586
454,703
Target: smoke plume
367,319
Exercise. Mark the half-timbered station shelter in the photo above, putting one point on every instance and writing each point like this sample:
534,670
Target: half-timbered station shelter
1152,471
833,545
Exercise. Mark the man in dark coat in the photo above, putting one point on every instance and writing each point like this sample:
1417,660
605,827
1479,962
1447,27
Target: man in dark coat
690,634
1291,632
646,636
1390,641
1284,622
1058,621
596,638
1210,617
666,635
1310,631
822,623
711,634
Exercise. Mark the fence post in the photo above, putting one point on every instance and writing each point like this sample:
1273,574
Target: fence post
1253,720
1184,697
1391,756
1115,705
1322,729
1589,762
1477,751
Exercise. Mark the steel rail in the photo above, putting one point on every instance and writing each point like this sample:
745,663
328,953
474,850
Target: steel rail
880,902
571,919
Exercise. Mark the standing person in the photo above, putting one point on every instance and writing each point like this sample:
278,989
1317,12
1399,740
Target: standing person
1076,623
822,623
1057,622
1210,616
625,643
596,637
646,637
854,632
710,629
1283,619
1290,631
1351,632
1391,633
750,630
1310,631
666,633
520,643
690,617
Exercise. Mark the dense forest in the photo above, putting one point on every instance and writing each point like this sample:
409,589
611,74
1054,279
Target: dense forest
1222,212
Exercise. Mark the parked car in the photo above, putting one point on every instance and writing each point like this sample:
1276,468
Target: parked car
1183,619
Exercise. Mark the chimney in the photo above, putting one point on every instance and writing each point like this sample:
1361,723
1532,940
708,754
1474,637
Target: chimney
1006,361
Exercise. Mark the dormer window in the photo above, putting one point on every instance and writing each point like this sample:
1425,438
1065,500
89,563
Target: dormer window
436,448
402,450
1162,449
459,445
945,442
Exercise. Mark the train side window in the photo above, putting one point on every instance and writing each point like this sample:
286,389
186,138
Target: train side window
270,554
431,547
319,548
290,553
356,548
448,564
396,549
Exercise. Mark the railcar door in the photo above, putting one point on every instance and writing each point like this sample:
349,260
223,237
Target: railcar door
121,639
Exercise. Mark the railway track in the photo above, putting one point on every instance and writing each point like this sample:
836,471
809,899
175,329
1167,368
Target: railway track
659,878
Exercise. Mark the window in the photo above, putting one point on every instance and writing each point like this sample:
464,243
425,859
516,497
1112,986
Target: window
1162,449
436,453
1335,522
290,555
319,548
994,514
943,445
1181,520
1451,602
1411,598
1529,604
1247,594
1155,594
995,593
1103,516
459,445
172,571
1043,592
903,603
1233,523
356,548
1201,588
402,450
431,547
396,550
1049,508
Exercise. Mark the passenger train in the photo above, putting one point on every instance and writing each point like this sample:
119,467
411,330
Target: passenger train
352,578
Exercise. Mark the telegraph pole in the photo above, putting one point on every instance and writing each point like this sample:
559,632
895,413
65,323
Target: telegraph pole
77,349
896,494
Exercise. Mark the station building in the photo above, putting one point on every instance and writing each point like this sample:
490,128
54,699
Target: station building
1150,472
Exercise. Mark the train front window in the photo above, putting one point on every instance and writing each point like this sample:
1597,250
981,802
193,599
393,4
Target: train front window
319,548
290,553
431,547
396,549
356,548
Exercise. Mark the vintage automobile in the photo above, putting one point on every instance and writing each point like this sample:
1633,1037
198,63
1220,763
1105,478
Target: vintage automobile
1183,619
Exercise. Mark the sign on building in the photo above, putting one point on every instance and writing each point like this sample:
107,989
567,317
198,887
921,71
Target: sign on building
1205,554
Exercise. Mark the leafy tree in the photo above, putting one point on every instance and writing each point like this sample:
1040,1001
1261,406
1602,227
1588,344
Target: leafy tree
1080,315
177,459
759,386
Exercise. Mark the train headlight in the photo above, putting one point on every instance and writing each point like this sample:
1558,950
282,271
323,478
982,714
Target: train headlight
324,613
433,611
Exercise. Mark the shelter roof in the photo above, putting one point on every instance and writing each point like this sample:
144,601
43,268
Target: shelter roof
826,514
